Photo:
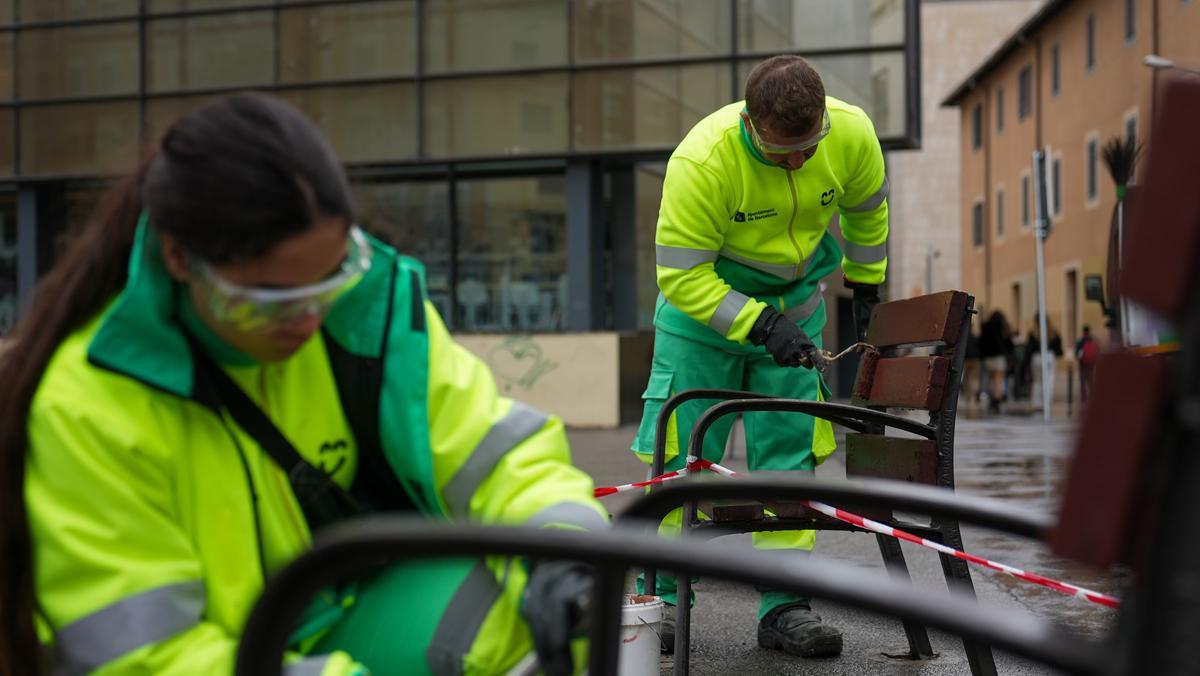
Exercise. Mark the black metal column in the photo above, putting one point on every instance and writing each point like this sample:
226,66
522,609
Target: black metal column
585,246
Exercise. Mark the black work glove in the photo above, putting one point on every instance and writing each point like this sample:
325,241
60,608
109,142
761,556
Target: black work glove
787,343
557,605
866,297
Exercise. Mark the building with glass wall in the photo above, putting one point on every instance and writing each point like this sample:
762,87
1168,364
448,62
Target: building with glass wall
515,146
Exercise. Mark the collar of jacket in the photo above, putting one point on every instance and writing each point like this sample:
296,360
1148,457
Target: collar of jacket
141,334
748,142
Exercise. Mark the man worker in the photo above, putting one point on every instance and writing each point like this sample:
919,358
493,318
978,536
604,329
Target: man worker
741,246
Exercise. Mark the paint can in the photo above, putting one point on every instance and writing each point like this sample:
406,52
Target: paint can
641,623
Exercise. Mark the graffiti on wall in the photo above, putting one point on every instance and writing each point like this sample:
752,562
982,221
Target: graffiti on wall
519,362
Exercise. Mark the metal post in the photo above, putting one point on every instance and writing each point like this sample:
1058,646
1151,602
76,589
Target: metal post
1040,160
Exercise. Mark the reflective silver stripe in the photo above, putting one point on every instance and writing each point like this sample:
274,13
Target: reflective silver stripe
309,666
568,513
784,271
872,202
682,258
518,425
804,310
727,311
139,620
460,623
865,254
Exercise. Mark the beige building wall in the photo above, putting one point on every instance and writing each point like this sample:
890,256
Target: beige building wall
924,214
1092,104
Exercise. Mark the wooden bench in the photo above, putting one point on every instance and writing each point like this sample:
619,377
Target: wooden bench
886,380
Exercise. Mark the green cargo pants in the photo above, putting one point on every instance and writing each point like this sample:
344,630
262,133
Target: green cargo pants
775,441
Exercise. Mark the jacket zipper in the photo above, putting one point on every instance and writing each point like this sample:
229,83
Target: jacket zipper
792,222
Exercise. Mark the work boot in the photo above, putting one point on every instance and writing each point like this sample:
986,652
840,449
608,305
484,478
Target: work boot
666,630
799,631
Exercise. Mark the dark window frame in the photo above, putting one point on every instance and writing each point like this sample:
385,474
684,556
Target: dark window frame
1056,187
1130,21
977,224
1055,69
1090,43
1025,92
999,109
977,126
1025,201
1000,213
1092,158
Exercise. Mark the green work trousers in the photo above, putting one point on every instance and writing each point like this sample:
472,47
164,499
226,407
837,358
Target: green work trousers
774,441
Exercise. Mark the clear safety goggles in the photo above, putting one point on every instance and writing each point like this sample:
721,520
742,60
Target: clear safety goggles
250,308
776,149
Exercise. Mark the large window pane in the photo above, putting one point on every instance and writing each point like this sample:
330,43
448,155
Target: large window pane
414,218
463,35
6,11
8,129
162,113
873,81
800,25
80,138
373,123
376,39
648,188
512,254
6,66
53,10
8,261
645,106
85,61
226,50
496,116
158,6
643,29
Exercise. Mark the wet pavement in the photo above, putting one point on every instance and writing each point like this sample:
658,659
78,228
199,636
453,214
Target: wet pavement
1017,460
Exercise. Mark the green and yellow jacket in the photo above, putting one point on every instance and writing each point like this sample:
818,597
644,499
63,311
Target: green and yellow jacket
736,233
156,520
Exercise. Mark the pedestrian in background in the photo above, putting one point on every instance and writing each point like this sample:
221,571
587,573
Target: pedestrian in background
995,348
1034,358
1087,350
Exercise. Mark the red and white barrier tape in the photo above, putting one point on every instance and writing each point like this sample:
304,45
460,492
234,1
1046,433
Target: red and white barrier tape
1078,592
609,490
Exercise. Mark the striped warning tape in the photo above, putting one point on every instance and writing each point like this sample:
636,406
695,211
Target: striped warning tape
697,464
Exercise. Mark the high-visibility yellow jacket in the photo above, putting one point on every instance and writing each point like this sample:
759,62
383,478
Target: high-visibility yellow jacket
736,232
155,519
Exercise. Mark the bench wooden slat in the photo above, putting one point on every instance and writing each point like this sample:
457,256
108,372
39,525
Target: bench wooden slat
896,458
924,320
902,382
1100,510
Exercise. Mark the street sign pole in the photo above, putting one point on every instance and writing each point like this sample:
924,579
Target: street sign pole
1041,159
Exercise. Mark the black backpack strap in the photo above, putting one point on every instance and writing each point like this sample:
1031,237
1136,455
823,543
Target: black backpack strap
321,498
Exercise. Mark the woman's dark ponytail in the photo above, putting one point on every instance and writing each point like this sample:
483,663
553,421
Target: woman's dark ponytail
92,269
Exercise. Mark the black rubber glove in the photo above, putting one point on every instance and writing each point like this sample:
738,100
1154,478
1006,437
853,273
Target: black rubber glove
557,605
866,297
787,343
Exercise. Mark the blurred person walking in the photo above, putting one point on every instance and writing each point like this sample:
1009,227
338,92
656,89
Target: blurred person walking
221,365
995,349
1087,350
741,246
1034,357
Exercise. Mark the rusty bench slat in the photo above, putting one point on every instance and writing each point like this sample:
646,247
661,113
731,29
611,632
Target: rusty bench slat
924,320
902,382
895,458
1104,502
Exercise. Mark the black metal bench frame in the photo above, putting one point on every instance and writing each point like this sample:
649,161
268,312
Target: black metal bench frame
866,419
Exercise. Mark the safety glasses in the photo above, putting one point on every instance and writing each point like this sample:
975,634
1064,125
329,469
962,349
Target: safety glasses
776,149
250,308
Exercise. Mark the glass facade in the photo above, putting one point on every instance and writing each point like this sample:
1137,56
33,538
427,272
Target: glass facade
457,118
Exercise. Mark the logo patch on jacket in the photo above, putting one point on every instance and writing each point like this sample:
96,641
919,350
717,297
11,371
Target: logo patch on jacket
332,456
827,197
742,216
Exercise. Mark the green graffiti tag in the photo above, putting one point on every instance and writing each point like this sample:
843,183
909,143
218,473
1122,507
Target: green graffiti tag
518,361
